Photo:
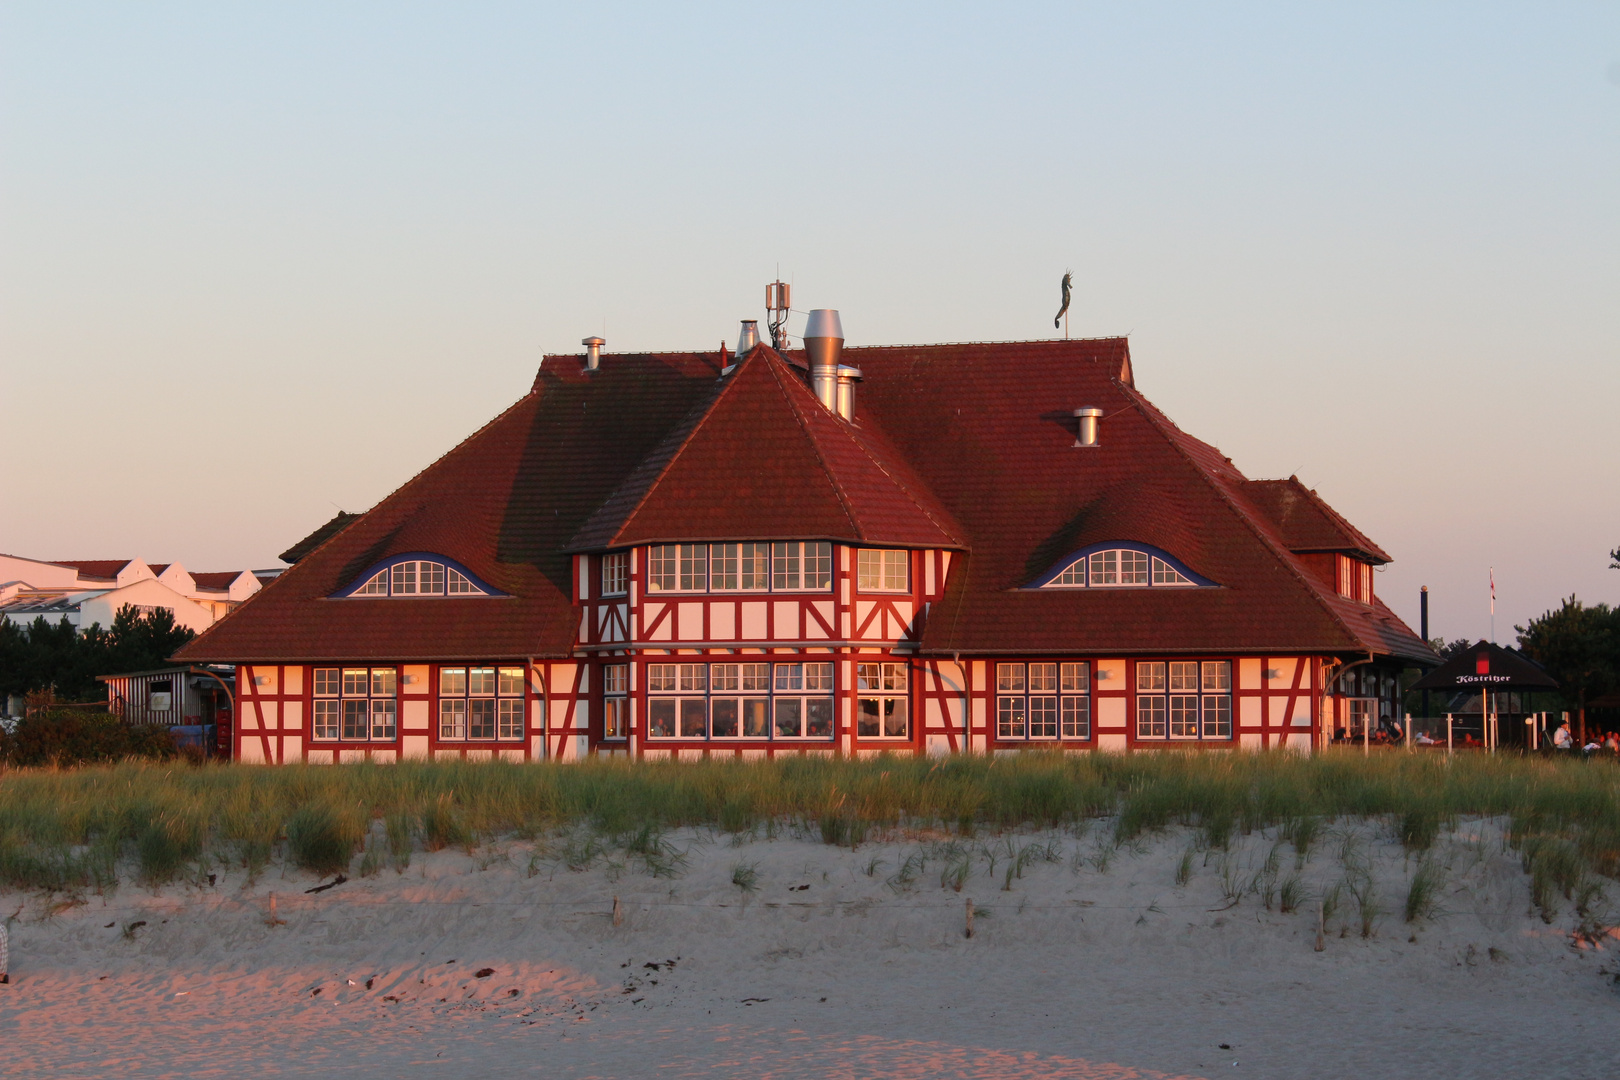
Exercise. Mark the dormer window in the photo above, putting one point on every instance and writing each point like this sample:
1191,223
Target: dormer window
1355,579
417,575
1120,566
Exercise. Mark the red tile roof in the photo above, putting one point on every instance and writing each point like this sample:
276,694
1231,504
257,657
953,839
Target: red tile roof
320,536
95,568
222,579
504,503
963,446
762,460
1305,522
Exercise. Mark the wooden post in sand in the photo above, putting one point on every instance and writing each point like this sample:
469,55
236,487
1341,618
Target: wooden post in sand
618,915
970,918
271,919
5,954
1321,920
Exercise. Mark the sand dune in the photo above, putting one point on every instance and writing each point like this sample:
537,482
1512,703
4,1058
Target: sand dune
1093,964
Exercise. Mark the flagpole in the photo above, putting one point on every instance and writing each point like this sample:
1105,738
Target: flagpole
1493,605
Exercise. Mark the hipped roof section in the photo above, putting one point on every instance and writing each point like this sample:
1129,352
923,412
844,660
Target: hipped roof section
504,502
763,460
968,447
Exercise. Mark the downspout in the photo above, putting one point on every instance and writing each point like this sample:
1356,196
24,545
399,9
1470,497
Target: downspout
1328,679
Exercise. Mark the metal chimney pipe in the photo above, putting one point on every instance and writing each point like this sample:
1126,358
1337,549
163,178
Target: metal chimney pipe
593,352
748,337
823,345
847,377
1087,435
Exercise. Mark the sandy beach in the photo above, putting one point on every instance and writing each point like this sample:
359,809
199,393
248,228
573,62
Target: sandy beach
1090,961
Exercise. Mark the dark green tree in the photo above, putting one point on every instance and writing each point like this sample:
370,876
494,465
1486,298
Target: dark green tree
1580,647
44,655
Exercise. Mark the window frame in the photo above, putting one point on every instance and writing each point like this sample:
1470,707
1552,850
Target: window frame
331,691
1121,565
1059,693
747,691
504,689
615,702
401,577
885,562
886,698
614,575
1160,708
745,566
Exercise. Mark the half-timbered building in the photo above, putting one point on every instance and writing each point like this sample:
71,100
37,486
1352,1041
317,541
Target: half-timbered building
676,555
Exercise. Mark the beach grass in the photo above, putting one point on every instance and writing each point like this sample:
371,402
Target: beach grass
85,828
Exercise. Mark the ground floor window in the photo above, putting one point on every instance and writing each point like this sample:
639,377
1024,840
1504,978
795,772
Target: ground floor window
756,700
883,709
1043,701
615,701
481,703
355,704
1184,699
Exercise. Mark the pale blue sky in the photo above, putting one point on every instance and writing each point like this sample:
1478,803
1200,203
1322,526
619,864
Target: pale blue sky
260,261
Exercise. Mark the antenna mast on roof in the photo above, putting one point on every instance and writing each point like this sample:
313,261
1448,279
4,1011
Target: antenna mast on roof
778,301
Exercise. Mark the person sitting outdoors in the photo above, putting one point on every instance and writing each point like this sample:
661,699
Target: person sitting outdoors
1611,742
1422,739
1562,739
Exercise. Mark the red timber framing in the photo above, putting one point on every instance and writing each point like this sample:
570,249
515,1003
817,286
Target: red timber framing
276,711
961,468
841,625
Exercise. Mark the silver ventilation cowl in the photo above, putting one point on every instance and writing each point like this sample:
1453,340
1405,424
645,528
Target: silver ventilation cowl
593,352
847,378
823,345
748,337
1087,433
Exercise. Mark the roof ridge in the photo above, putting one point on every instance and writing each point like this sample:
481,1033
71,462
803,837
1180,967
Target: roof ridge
1148,410
821,458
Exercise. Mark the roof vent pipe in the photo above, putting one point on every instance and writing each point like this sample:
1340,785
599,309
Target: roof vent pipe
1087,435
748,338
847,377
823,345
593,352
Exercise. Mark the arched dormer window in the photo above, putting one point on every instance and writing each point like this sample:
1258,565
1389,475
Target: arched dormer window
1117,564
417,573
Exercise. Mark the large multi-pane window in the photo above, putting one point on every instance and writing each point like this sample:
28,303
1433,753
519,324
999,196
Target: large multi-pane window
801,566
1184,699
754,700
795,566
883,710
1043,701
739,567
616,573
356,704
883,570
1118,567
615,701
419,577
480,703
803,704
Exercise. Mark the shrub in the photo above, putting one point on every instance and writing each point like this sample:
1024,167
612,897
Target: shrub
64,737
321,839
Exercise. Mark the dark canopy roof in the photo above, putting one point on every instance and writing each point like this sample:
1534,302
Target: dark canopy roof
1488,667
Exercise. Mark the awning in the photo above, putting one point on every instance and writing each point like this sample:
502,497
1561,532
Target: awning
1485,666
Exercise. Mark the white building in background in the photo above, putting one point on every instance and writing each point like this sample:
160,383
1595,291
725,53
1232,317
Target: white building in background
90,591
